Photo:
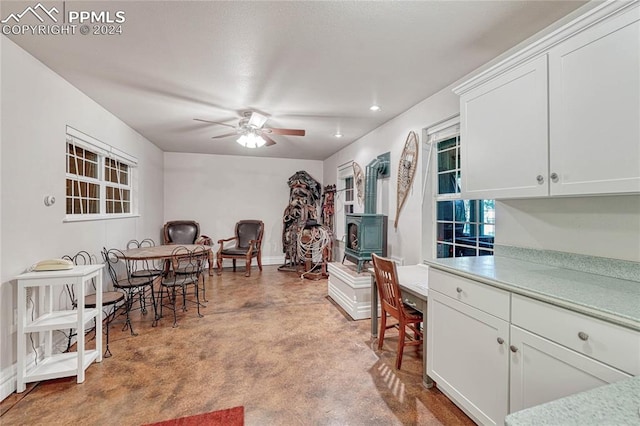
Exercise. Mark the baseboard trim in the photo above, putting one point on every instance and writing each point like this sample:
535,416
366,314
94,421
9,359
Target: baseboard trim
8,381
9,376
266,260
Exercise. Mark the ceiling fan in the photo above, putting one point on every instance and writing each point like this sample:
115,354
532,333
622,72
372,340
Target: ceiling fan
252,132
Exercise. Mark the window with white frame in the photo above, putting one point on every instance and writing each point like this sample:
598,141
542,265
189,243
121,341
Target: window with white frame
345,197
463,227
99,178
348,195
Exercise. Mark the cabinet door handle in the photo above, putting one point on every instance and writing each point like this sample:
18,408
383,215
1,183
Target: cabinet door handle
459,290
583,336
540,179
554,177
513,349
500,340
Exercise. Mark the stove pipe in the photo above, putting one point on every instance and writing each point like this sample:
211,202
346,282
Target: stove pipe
376,167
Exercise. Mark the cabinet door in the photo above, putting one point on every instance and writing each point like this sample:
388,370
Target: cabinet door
465,358
594,86
504,135
542,371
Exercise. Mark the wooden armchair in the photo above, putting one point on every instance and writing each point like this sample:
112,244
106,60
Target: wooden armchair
181,232
248,244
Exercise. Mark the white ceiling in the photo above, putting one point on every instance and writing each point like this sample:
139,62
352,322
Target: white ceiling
316,66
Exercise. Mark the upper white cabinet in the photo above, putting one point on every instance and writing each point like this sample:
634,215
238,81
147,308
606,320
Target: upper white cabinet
560,117
594,93
504,134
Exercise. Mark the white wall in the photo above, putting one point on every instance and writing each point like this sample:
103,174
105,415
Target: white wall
405,242
37,104
597,226
606,226
219,190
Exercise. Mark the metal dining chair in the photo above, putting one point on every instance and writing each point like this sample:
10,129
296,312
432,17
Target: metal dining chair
144,268
187,268
111,300
120,271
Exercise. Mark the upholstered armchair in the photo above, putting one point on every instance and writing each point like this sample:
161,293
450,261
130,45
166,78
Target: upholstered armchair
245,244
181,232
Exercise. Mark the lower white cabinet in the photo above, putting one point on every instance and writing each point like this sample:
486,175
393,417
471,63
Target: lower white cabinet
542,371
493,352
468,357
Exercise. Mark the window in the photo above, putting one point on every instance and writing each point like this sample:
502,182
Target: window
348,195
344,198
99,179
83,190
463,227
118,197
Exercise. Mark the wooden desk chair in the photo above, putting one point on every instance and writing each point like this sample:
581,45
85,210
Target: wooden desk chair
391,302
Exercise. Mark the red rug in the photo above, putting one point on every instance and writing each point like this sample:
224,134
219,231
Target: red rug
229,417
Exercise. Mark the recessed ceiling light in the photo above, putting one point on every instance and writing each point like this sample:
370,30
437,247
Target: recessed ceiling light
374,108
338,135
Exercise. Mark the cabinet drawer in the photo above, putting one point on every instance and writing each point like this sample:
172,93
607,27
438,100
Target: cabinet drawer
489,299
611,344
412,301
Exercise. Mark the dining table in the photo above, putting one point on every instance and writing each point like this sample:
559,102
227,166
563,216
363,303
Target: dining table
164,252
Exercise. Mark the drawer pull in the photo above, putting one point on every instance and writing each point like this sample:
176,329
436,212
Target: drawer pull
500,340
513,349
409,303
459,290
583,336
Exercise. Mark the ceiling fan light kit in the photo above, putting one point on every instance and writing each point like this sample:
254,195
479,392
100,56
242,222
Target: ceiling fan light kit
251,140
252,132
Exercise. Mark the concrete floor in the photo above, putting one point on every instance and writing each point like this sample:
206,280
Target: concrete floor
273,343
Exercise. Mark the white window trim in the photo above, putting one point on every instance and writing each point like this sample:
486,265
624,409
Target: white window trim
103,150
439,132
344,171
89,142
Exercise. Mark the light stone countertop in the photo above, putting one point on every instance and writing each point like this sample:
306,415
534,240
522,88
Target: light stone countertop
616,404
611,299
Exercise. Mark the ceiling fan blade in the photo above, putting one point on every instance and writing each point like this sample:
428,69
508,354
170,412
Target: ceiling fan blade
289,132
226,135
214,122
257,120
268,139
